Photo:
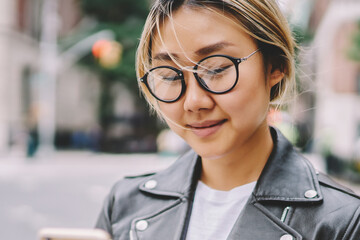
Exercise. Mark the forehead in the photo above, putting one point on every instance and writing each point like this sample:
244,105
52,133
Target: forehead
190,29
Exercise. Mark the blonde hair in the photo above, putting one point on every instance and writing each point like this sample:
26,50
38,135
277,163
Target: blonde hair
261,19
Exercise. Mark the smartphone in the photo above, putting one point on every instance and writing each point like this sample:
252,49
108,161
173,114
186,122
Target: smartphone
72,234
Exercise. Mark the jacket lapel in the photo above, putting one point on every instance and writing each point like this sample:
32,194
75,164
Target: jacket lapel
255,223
168,223
177,183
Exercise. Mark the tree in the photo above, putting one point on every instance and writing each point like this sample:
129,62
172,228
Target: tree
126,19
354,50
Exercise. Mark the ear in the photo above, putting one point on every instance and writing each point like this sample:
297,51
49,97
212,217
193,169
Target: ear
275,75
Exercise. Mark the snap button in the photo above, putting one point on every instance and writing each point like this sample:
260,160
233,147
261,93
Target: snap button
287,237
141,225
310,194
151,184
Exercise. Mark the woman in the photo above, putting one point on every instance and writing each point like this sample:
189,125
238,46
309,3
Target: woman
211,69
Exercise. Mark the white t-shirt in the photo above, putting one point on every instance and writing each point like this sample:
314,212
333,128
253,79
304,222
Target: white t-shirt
215,212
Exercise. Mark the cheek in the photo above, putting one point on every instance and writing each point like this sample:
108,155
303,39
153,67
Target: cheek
170,110
173,114
249,100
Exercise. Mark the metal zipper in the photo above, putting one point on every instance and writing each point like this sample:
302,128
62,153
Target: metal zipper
285,214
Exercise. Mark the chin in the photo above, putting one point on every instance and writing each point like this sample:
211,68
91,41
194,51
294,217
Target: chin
211,155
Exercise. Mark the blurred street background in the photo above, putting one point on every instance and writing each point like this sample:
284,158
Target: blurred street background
65,190
72,120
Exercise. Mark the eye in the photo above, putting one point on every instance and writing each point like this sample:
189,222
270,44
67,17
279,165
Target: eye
219,70
215,67
171,78
163,75
214,73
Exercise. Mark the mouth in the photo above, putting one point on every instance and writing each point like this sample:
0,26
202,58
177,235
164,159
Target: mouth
206,128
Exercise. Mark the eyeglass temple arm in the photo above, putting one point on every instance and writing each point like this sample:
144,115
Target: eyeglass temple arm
246,58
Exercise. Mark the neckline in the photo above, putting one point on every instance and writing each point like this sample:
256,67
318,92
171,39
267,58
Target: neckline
235,194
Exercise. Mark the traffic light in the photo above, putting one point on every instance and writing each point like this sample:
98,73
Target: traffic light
108,53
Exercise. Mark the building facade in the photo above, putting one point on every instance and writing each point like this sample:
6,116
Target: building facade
76,89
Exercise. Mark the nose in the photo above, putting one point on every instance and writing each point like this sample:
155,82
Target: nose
196,98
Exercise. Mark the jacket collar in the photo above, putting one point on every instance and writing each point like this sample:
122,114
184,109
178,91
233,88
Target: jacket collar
286,177
179,179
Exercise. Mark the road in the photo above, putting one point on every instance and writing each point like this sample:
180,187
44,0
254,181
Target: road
65,190
68,188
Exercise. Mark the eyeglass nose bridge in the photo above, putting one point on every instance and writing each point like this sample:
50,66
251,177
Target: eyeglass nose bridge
193,70
187,68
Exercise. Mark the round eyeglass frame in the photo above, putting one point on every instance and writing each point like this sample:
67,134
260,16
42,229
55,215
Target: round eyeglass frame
235,61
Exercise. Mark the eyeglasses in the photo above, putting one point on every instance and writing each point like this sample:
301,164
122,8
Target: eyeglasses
217,74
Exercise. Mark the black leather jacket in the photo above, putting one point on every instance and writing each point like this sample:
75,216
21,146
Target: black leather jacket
290,201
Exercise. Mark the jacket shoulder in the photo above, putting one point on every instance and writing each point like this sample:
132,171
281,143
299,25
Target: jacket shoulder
129,184
341,208
327,182
120,206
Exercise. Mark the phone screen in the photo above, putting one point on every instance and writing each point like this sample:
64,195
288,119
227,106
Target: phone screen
72,234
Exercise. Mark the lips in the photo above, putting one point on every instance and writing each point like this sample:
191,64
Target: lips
206,128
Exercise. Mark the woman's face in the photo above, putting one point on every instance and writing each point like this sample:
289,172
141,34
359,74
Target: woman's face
214,125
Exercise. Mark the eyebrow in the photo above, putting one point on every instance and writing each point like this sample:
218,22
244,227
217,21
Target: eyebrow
200,52
165,56
212,48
